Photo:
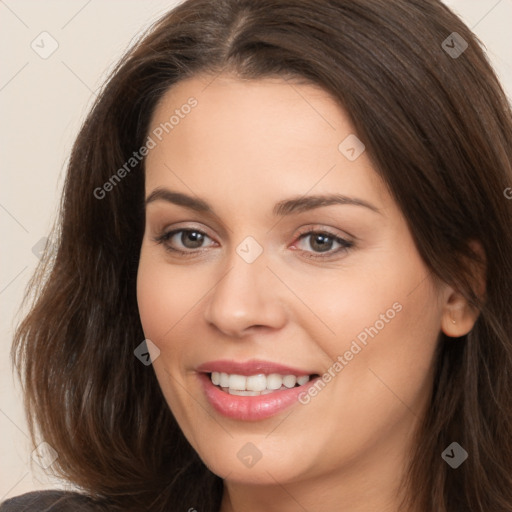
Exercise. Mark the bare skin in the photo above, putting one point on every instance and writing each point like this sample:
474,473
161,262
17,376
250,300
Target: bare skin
246,146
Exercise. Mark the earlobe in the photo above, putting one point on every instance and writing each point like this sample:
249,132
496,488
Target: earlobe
459,316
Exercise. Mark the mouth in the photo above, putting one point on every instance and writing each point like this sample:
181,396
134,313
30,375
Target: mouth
254,390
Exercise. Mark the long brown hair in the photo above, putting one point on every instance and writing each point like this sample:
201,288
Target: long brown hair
438,129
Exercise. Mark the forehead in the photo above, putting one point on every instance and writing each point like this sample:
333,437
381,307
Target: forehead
244,137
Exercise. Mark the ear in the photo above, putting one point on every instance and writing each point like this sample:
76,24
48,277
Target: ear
458,315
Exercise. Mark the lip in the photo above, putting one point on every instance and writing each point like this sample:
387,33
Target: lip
252,367
251,408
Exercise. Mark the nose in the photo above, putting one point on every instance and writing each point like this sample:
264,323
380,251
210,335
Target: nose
246,299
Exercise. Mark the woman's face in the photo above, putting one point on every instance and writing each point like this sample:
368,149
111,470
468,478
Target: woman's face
246,271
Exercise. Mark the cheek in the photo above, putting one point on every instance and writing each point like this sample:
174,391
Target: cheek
386,334
384,320
165,300
386,296
357,300
404,354
164,295
154,297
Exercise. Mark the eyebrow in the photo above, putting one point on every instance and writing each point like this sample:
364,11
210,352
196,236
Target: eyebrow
282,208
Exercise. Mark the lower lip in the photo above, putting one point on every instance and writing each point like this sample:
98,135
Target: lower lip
251,408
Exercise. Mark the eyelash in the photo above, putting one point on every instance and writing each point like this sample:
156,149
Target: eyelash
345,244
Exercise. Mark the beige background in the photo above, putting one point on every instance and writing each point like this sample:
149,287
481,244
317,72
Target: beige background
42,104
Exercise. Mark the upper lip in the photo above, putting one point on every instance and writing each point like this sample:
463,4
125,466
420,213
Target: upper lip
251,367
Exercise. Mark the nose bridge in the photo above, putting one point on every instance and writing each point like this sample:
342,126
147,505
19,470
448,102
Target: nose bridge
244,297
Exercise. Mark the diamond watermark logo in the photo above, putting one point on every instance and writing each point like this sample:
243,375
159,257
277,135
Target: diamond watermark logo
249,455
45,45
43,245
44,455
147,352
454,45
454,455
351,147
249,250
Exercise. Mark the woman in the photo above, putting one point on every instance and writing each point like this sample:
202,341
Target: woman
297,212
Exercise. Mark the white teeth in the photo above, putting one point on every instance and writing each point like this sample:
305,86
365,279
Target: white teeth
237,382
257,382
243,393
224,380
254,385
216,378
274,381
289,381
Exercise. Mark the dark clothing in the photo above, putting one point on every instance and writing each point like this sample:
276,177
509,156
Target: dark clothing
50,501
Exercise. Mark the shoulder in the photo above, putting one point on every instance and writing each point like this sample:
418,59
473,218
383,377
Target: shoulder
50,501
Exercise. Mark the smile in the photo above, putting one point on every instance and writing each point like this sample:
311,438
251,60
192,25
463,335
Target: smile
252,390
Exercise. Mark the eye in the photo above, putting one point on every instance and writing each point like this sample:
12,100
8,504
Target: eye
314,244
322,244
183,240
